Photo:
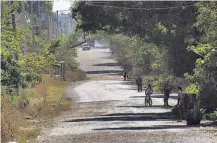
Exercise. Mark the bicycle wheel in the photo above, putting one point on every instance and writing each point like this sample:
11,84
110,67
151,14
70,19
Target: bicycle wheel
146,102
150,102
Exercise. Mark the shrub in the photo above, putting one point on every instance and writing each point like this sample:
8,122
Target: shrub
76,75
213,116
11,120
192,89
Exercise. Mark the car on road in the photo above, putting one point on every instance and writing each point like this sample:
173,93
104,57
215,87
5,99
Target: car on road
85,47
91,45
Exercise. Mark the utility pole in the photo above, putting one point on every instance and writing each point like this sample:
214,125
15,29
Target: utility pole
33,37
65,24
62,70
39,17
25,40
57,24
48,25
61,29
13,23
13,17
52,27
19,84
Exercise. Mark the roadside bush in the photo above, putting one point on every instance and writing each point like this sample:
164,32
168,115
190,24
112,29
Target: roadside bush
76,75
158,82
45,101
48,100
11,120
192,89
213,116
208,98
7,129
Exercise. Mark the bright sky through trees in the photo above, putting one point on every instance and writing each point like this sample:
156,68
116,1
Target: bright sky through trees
62,5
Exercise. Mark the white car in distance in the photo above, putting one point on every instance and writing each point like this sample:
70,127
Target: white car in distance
85,47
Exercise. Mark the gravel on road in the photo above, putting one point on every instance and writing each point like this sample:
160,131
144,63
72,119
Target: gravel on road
112,111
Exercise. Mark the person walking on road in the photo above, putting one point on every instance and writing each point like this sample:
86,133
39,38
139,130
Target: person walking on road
180,102
125,75
166,94
139,83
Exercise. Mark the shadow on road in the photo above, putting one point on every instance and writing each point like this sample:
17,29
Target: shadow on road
119,74
165,114
107,64
157,127
128,117
103,71
156,96
108,57
100,47
153,106
128,88
122,82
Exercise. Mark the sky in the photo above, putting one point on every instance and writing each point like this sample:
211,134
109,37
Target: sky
62,5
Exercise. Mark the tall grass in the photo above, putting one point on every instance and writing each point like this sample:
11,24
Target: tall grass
46,101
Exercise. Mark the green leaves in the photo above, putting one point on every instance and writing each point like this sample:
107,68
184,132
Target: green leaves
206,21
161,28
192,89
201,49
205,72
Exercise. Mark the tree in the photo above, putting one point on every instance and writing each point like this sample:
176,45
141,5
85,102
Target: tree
205,73
167,24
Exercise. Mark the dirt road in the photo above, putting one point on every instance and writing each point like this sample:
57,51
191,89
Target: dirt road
99,64
112,111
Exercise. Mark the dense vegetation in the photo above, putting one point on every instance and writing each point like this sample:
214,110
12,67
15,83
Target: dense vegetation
172,41
29,73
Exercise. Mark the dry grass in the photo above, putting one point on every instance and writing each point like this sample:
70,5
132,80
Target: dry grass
46,101
11,122
29,134
76,75
50,101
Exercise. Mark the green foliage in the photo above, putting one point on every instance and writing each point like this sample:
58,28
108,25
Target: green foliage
26,70
168,30
192,89
205,72
201,49
66,53
75,75
133,53
9,71
170,42
213,116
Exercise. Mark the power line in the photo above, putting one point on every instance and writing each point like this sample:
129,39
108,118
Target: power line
139,8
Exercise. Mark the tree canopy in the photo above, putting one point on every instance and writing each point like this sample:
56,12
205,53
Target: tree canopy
176,37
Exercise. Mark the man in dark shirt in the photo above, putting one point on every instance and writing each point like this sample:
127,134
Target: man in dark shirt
139,83
166,94
125,74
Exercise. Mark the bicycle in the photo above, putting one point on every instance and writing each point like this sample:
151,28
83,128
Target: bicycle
148,92
148,101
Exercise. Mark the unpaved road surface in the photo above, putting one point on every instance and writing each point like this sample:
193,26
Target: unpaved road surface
99,64
112,111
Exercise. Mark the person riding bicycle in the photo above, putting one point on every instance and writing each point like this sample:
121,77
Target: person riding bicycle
180,103
148,92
